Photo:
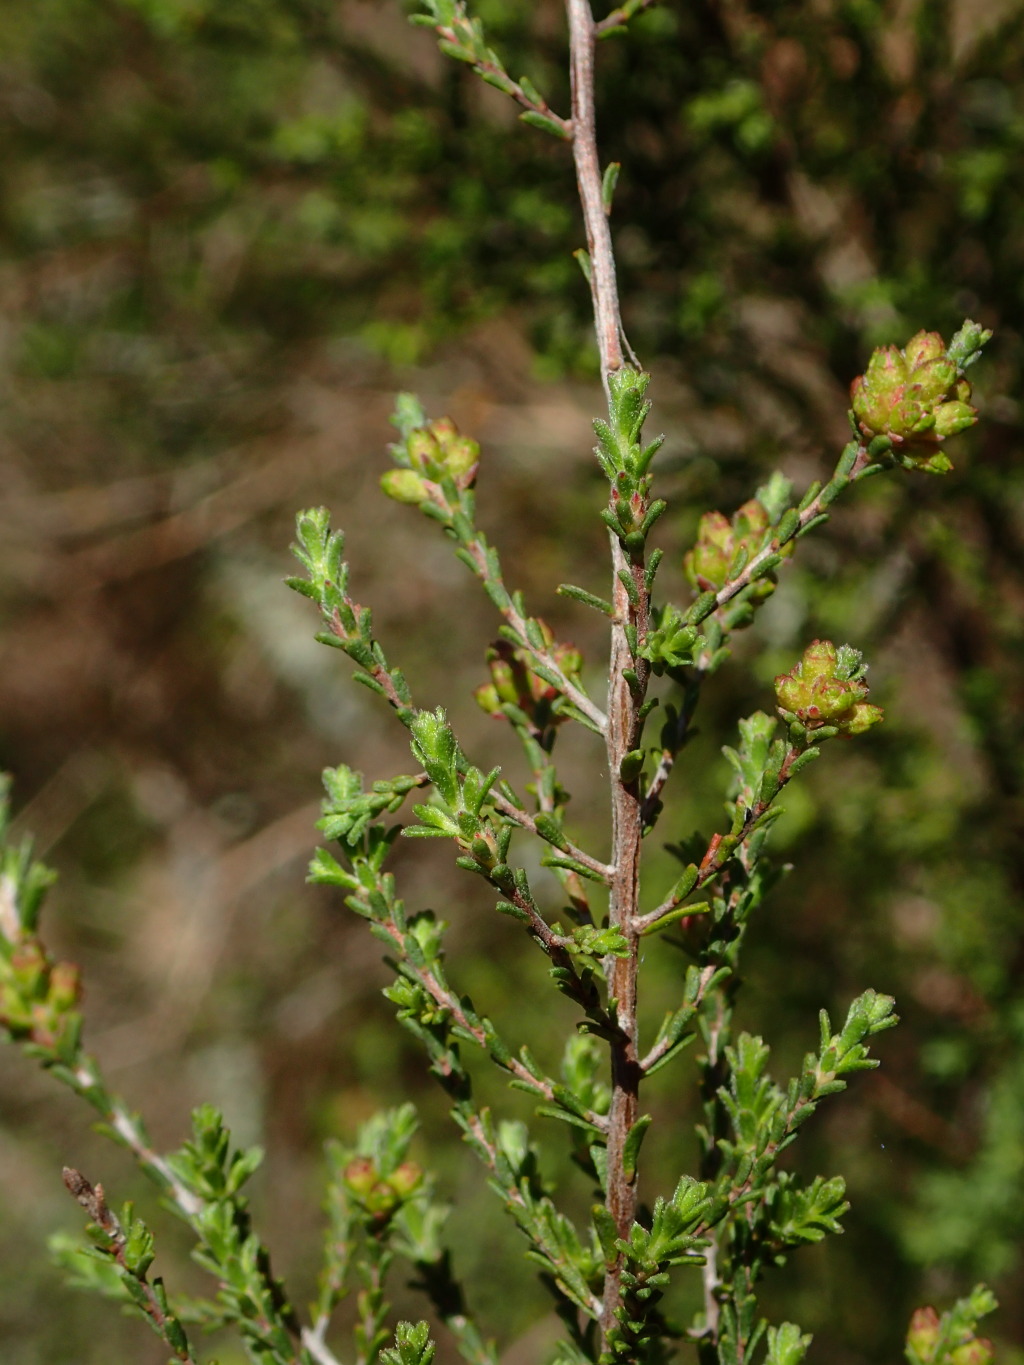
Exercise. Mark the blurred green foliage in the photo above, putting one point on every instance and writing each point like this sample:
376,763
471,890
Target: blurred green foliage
214,214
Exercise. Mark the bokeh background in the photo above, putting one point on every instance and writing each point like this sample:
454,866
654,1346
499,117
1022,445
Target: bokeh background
232,230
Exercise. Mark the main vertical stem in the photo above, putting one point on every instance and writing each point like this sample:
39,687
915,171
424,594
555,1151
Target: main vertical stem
603,286
623,704
627,829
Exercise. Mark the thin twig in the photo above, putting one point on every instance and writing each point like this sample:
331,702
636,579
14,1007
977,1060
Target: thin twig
317,1347
711,1283
603,287
539,759
478,553
659,1049
667,758
812,510
621,16
93,1200
482,566
526,821
713,862
510,1191
450,1002
85,1078
508,86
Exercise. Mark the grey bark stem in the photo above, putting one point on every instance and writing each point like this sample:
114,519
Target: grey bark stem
623,704
603,286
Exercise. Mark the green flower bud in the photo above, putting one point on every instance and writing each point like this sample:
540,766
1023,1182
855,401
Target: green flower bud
513,682
820,659
28,965
14,1013
404,485
934,379
507,673
923,347
862,716
707,564
405,1179
381,1200
909,417
360,1176
977,1352
461,457
65,987
750,520
953,417
431,452
923,1333
569,659
487,699
423,450
444,431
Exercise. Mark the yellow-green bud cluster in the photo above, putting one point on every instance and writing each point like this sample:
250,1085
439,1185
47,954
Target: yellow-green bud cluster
38,997
723,544
433,452
818,693
923,1338
381,1196
916,397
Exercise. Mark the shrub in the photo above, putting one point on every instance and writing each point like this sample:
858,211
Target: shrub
613,1275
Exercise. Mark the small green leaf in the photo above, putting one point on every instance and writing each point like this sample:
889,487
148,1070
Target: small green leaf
672,916
608,182
587,598
547,123
631,766
530,91
634,1141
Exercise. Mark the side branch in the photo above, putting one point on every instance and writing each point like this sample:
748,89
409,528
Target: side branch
495,74
128,1250
858,462
658,1051
854,464
721,849
602,871
85,1079
449,1001
483,559
621,16
666,762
